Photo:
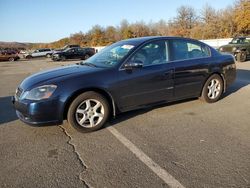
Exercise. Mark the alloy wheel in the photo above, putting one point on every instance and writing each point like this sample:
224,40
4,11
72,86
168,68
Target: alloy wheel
89,113
11,59
214,89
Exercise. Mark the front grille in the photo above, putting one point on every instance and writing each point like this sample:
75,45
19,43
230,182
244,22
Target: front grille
227,49
19,92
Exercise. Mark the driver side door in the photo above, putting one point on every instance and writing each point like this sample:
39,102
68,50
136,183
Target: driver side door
151,83
70,54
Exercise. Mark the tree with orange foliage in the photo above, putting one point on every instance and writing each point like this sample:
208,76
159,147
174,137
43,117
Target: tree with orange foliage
242,16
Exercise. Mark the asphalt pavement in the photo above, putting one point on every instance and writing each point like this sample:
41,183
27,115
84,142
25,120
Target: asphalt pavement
187,144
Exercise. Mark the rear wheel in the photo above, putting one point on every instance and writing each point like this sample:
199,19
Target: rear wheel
86,56
11,59
88,112
242,56
213,89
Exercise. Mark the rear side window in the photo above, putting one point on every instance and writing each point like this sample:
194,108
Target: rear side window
182,49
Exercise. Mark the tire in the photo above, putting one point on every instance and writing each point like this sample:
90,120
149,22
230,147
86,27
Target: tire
48,55
242,56
86,56
88,112
11,59
28,57
212,89
62,58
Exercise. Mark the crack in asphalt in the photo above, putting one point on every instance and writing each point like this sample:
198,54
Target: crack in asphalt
77,154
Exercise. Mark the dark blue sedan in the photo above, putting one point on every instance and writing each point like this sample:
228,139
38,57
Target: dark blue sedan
127,75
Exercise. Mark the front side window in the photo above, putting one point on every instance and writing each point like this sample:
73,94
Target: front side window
152,53
188,50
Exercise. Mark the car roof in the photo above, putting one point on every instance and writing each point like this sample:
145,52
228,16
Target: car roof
242,37
141,40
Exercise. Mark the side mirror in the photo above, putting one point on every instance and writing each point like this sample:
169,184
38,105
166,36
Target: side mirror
133,64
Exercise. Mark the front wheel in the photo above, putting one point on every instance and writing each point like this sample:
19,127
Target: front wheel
88,112
62,58
213,89
241,56
11,59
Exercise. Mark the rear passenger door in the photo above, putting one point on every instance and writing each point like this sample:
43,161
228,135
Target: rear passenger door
42,52
191,60
80,53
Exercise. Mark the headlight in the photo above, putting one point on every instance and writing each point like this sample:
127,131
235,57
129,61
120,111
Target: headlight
221,49
38,93
234,49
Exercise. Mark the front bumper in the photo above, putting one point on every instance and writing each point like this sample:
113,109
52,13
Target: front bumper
45,112
55,58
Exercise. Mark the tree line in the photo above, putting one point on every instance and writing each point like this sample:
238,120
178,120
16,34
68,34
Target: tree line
207,23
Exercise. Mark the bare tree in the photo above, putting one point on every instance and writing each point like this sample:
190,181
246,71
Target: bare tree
184,21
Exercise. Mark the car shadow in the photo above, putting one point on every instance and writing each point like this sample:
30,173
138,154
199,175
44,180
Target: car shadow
130,114
7,112
242,80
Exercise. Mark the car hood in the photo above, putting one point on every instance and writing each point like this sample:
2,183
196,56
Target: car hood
41,77
58,52
227,47
233,45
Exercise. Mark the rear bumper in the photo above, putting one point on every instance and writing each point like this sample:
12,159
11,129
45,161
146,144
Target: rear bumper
38,113
230,74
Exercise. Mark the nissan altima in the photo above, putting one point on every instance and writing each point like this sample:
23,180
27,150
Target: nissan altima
127,75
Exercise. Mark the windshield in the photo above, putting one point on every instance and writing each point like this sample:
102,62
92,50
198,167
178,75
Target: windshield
65,47
67,50
111,55
239,41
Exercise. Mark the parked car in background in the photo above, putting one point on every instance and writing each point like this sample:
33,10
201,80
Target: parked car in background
239,47
126,75
73,53
44,52
5,56
67,47
22,52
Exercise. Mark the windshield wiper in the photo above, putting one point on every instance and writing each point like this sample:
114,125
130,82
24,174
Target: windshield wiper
88,64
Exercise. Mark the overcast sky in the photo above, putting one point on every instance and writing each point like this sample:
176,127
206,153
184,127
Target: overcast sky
50,20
